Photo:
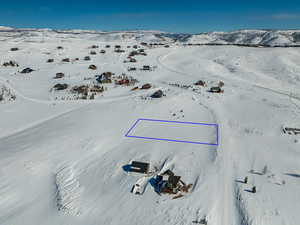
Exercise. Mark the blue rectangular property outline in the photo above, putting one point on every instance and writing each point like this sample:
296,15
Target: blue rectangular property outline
174,140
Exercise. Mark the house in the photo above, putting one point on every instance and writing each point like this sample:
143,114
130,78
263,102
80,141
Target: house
94,46
146,86
59,87
168,183
289,130
146,68
118,50
216,90
200,83
123,82
14,49
59,75
92,67
103,78
66,60
11,63
133,53
157,94
83,89
135,88
96,89
131,69
169,186
27,70
108,74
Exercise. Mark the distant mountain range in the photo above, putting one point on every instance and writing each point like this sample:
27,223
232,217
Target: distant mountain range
240,37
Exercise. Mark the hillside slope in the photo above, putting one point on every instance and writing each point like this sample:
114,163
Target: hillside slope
64,149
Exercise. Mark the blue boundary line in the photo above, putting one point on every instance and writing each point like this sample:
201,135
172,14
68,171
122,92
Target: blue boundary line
136,122
173,140
217,125
172,121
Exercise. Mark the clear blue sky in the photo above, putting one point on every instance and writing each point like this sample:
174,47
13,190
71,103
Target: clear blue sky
174,16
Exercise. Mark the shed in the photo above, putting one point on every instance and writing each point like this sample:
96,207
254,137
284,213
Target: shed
139,167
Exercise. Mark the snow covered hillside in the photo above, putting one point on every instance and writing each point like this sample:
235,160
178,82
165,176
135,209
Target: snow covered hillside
69,99
244,37
249,37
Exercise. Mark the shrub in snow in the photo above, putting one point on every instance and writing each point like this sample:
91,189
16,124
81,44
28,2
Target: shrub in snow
6,94
265,170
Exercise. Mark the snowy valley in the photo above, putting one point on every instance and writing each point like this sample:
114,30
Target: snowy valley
69,98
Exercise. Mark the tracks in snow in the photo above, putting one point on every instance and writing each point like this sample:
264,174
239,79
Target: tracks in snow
226,200
68,191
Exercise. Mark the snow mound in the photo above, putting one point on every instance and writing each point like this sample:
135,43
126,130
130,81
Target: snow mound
68,191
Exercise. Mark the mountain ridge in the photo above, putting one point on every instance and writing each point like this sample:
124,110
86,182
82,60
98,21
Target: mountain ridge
264,37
